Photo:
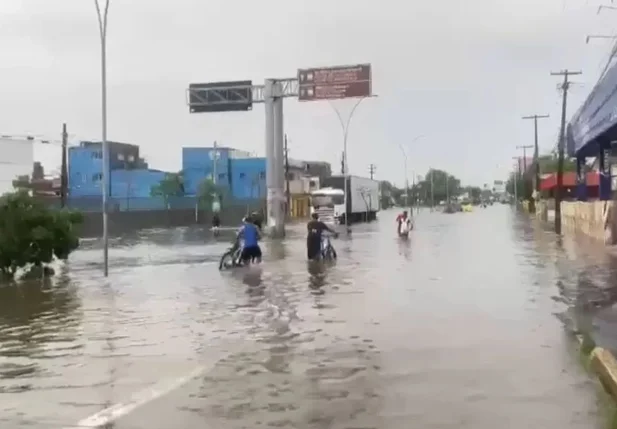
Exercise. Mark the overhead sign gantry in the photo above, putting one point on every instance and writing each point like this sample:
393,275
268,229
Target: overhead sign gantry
310,85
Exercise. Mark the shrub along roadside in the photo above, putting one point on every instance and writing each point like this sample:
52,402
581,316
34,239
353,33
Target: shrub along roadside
32,235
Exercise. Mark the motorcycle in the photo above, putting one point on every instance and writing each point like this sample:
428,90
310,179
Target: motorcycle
232,257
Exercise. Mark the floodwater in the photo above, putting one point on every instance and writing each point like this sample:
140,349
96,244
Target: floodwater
465,325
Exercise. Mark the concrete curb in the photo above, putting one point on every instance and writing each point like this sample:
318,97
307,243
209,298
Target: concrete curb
602,364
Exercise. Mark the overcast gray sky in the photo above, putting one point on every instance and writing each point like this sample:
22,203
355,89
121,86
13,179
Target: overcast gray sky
459,72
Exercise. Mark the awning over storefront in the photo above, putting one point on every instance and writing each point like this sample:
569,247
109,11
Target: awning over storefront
596,120
549,181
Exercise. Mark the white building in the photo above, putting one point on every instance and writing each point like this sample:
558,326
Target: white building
16,159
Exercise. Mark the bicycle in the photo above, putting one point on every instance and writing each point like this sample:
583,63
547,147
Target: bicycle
232,257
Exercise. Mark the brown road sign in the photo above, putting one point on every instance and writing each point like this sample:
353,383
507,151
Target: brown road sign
330,83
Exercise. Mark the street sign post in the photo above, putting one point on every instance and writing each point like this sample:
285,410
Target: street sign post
331,83
336,83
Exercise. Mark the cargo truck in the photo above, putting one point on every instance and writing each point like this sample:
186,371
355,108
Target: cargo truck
362,199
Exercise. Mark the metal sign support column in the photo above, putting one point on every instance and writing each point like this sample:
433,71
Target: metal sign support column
270,161
279,162
275,155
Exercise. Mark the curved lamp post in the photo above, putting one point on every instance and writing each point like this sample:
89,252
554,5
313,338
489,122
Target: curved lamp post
101,12
345,127
405,164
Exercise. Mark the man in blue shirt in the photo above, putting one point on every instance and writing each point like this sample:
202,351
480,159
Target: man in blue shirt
250,234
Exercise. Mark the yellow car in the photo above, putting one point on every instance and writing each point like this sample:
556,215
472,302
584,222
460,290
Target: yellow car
467,207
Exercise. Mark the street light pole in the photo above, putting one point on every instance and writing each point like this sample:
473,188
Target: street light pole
405,164
102,19
406,180
345,127
602,6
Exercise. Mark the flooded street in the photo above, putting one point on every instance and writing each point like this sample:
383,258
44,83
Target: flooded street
461,326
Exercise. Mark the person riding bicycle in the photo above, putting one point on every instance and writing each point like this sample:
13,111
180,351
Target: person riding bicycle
249,232
315,228
400,220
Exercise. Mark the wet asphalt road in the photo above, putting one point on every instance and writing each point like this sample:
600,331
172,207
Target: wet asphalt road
465,325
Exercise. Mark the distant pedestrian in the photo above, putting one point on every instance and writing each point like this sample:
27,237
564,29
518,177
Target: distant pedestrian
216,223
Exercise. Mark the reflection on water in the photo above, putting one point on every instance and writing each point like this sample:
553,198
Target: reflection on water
317,277
39,320
465,316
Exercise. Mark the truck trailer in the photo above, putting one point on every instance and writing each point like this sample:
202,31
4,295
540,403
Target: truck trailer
362,199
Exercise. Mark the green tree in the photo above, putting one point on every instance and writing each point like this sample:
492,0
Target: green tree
207,193
32,235
548,164
171,186
475,192
390,195
524,185
444,185
22,182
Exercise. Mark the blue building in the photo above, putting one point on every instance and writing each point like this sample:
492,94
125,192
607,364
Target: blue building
238,173
130,180
248,178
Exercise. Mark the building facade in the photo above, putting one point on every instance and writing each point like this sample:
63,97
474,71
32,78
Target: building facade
16,160
240,175
130,181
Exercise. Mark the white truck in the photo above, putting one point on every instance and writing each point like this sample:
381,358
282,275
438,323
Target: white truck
362,199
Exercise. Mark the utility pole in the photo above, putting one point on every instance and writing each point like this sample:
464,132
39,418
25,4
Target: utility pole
287,192
371,170
64,180
536,150
524,156
562,144
524,191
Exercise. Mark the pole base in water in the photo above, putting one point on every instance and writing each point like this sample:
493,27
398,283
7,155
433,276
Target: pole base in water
277,231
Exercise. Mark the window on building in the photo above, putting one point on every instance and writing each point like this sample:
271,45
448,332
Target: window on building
262,175
242,175
222,176
97,177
